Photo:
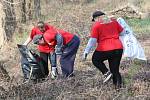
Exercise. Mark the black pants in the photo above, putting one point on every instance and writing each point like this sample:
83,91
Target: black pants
45,57
113,57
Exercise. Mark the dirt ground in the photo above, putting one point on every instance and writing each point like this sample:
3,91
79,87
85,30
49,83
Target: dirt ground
86,85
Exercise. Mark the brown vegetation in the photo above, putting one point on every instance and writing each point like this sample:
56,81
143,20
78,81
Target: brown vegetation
73,16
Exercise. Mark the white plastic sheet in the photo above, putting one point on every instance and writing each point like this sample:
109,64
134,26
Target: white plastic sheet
132,47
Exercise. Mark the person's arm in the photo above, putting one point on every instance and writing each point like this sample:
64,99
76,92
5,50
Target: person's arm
123,32
30,37
28,40
39,40
124,25
91,43
53,59
92,40
59,45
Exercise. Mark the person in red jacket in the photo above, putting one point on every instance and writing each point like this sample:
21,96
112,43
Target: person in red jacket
105,32
66,45
44,49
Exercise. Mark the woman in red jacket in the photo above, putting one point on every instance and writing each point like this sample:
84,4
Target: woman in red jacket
105,32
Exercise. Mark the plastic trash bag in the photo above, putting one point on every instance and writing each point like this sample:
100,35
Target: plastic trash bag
31,63
132,48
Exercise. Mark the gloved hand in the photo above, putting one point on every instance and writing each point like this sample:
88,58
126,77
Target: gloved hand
84,56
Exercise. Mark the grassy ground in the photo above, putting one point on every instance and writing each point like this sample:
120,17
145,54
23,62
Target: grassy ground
140,26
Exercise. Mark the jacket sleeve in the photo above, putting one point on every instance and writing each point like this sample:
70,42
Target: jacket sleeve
91,43
59,45
53,59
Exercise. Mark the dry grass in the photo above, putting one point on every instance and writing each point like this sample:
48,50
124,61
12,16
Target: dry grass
87,84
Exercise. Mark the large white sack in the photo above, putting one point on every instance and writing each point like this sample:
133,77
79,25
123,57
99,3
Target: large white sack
132,47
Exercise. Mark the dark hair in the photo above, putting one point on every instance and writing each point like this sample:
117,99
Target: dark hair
40,24
96,14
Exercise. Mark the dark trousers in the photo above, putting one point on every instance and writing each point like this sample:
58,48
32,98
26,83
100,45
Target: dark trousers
44,56
52,58
113,57
68,57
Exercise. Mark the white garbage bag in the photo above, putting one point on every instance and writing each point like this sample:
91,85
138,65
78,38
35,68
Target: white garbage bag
132,47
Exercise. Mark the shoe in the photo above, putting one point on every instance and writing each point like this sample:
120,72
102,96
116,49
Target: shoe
53,75
107,77
117,87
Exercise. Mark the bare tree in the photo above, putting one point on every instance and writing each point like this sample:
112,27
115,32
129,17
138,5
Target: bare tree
10,18
37,8
29,9
2,32
23,11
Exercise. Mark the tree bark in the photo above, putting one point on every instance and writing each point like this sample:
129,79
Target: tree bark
29,10
23,11
10,18
2,31
37,9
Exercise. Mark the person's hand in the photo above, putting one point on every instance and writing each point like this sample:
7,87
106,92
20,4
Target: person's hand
37,39
24,44
84,56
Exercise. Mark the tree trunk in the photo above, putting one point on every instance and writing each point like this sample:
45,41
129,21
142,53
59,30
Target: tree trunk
29,10
37,9
2,31
23,11
10,18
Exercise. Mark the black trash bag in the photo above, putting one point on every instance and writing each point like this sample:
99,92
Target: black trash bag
31,63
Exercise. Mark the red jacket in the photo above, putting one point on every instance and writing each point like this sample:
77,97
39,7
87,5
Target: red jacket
42,48
107,35
50,35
